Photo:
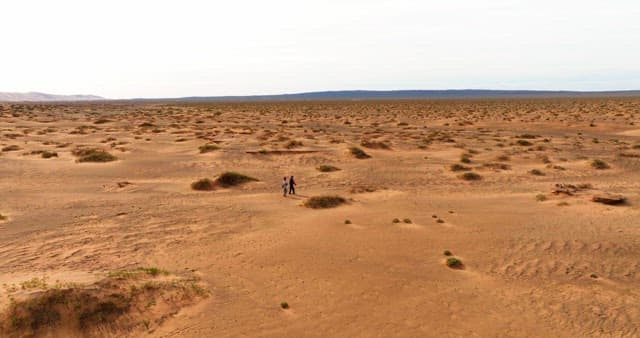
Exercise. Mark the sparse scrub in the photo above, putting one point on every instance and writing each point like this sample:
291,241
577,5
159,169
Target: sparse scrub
203,184
359,153
454,263
327,168
232,179
92,155
324,202
207,148
470,176
599,164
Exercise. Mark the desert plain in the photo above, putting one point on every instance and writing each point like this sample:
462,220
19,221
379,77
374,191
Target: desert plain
444,218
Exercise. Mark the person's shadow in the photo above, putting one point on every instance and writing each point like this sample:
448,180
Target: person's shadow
297,196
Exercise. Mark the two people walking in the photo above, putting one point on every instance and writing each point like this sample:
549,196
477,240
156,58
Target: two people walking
289,186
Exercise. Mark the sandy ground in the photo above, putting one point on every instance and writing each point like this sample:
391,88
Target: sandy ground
563,266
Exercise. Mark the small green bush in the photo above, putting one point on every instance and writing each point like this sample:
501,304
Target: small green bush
230,179
536,172
327,168
599,164
93,155
324,202
524,143
459,167
358,153
208,148
470,176
454,263
203,184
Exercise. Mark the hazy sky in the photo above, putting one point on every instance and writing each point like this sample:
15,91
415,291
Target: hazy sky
136,48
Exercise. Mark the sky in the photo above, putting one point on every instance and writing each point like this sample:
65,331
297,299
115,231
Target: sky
139,48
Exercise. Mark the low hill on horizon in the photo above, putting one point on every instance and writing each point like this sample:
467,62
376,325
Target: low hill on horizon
405,94
44,97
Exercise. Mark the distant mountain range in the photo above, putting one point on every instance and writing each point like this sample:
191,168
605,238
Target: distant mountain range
338,95
409,94
42,97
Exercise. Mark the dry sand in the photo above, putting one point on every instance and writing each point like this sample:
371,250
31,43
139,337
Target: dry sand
535,263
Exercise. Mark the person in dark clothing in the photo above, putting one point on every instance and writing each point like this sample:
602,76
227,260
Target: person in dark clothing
292,186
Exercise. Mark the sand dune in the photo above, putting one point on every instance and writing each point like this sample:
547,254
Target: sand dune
536,263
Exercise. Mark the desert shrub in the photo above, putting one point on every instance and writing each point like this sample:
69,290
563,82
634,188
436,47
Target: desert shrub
503,158
407,221
459,167
470,176
599,164
454,263
523,143
358,153
49,154
536,172
284,305
440,220
203,184
324,202
12,147
93,155
637,146
101,121
527,136
230,179
146,125
208,148
294,144
447,253
346,221
396,220
541,197
464,158
375,145
327,168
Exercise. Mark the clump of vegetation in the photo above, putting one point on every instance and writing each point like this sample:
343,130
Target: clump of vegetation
346,221
203,184
49,154
541,197
208,148
524,143
447,253
101,121
407,221
536,172
465,158
358,153
454,263
459,167
375,145
470,176
112,305
593,275
327,168
232,179
284,305
294,144
12,147
93,155
3,217
599,164
324,202
396,220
